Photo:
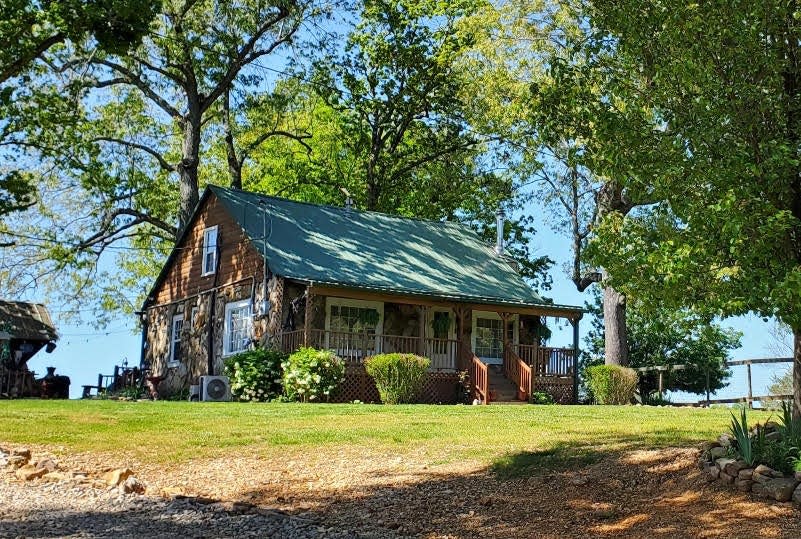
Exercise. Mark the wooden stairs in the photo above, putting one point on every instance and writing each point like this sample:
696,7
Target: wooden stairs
501,389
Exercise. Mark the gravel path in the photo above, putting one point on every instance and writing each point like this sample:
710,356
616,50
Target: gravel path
41,509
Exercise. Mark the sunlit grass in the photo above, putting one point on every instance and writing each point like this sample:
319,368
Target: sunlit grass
178,431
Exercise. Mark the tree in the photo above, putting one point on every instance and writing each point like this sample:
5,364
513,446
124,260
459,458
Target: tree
670,337
548,101
119,135
724,85
28,29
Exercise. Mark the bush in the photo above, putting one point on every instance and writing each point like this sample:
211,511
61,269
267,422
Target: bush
255,374
611,384
398,377
541,397
312,375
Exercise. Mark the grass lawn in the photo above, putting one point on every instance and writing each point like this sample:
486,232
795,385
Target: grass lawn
505,437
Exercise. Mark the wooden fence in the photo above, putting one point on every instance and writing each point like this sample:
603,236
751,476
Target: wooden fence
748,399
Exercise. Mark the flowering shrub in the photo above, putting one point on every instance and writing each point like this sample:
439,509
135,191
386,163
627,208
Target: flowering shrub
255,374
398,377
312,375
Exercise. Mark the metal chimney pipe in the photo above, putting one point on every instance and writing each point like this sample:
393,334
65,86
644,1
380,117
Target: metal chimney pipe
500,218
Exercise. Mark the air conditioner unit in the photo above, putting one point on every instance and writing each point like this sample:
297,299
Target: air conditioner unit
215,388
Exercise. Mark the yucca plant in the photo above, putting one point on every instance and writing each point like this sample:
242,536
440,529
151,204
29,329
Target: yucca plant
739,430
790,428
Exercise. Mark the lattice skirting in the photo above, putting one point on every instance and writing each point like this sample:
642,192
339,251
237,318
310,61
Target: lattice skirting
439,387
558,387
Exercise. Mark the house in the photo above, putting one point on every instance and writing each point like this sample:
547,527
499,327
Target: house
254,268
25,328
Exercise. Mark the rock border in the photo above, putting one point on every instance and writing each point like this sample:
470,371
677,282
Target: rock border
761,481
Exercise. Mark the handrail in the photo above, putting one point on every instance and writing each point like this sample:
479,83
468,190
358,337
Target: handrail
479,377
547,361
355,347
518,372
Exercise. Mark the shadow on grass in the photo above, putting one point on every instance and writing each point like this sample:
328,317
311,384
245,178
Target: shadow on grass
560,458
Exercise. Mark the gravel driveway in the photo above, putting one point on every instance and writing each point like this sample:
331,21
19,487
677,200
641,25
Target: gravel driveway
40,509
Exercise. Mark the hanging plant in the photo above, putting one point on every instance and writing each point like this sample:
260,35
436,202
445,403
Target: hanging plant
441,323
369,318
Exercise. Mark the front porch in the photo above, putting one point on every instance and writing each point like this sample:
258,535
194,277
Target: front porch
531,368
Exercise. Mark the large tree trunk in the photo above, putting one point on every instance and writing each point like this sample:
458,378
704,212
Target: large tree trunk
616,346
797,373
188,168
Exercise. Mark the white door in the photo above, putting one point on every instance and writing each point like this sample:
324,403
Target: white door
487,338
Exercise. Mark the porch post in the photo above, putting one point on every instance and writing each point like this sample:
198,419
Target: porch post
421,346
308,315
575,358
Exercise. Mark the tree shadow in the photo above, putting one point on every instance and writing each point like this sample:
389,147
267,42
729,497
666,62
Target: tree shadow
564,491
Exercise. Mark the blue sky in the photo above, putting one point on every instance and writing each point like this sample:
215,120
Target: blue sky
84,351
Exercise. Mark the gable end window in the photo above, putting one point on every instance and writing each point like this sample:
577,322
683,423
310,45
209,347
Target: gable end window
176,351
237,335
209,250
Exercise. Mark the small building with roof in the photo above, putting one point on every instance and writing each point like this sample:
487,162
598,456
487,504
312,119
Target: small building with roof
250,268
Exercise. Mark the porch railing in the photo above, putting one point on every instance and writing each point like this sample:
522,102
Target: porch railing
547,361
518,372
355,347
479,376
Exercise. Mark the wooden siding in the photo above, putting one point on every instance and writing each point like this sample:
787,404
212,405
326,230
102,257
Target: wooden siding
238,259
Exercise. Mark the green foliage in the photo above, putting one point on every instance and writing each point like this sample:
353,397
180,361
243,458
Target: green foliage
664,336
256,374
541,397
742,437
611,384
312,375
789,426
398,377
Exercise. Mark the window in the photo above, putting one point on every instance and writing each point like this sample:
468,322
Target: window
193,319
353,326
237,327
489,338
176,353
488,333
209,250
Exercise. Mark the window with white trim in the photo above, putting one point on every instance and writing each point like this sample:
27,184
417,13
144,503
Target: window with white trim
489,338
238,323
209,250
353,326
176,350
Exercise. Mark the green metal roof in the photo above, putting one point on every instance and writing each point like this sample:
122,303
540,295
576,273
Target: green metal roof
370,250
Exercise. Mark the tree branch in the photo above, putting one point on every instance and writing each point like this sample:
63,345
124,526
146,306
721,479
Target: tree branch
135,80
160,158
16,67
106,232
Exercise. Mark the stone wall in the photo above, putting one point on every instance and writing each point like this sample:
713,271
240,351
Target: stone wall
194,335
761,481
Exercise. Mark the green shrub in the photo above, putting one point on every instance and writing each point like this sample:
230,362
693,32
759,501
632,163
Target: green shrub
742,438
255,374
398,377
611,384
541,397
312,375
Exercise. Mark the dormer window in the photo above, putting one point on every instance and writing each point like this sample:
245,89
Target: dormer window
209,250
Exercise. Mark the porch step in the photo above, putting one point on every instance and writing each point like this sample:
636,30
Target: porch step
504,391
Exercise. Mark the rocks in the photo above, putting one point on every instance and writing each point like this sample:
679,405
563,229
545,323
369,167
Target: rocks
782,489
733,468
114,477
81,511
759,490
797,495
745,473
726,478
24,453
717,452
47,464
743,485
29,472
132,485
